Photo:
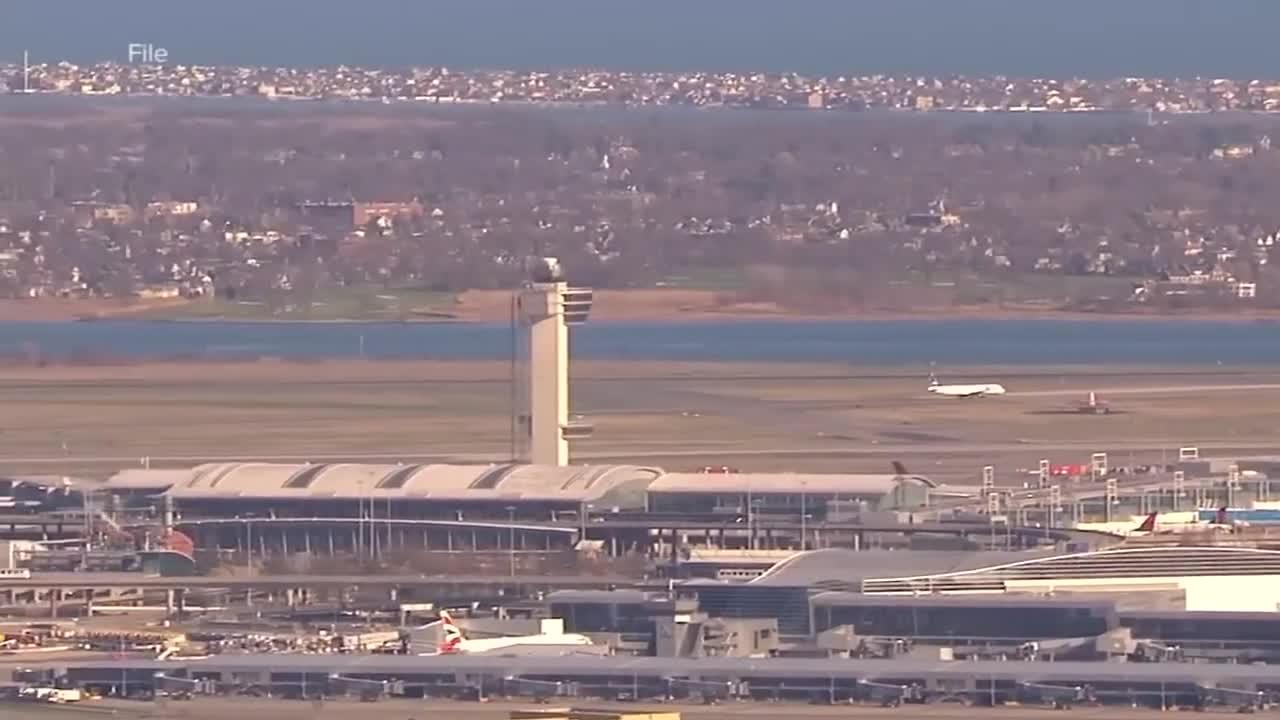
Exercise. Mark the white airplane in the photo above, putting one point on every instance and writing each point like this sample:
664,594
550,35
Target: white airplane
964,391
456,643
1152,526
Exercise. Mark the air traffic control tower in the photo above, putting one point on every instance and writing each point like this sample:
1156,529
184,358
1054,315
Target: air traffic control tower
545,308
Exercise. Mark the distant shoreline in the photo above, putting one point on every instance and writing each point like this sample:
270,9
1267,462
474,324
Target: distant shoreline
1268,317
647,306
338,101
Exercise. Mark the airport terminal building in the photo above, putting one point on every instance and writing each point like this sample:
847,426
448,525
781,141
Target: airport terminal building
1213,604
346,507
421,491
1205,579
817,495
439,491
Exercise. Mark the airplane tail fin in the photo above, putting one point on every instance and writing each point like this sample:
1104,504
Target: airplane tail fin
899,469
1221,517
1093,399
453,637
1148,525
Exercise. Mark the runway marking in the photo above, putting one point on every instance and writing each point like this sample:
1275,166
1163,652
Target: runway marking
1154,390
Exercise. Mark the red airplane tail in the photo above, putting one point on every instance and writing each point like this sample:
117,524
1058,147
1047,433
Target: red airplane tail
1221,517
1148,525
452,641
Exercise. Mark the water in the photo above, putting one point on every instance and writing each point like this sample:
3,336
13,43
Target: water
1017,37
865,342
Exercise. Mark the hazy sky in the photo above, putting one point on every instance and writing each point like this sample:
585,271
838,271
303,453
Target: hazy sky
1017,37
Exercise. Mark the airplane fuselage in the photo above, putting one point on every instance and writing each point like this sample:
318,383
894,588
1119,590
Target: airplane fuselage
455,642
487,645
980,390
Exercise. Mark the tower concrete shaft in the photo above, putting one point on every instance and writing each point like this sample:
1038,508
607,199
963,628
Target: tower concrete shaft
542,310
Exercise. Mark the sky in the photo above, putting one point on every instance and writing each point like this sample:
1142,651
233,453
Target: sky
1058,38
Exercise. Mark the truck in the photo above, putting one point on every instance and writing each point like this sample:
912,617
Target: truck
53,695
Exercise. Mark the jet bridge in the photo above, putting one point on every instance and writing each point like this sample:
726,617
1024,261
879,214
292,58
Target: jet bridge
890,694
1243,700
363,688
1059,697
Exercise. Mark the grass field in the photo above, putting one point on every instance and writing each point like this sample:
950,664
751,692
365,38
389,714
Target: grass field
355,303
674,415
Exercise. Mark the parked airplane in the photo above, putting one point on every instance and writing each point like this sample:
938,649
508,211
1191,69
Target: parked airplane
456,643
1151,525
964,391
1094,406
901,474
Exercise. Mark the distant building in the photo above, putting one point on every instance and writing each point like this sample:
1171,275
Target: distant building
87,213
160,292
172,208
339,212
1233,152
364,212
930,221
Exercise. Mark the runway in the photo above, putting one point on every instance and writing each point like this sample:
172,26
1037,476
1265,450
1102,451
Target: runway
878,449
874,448
1153,390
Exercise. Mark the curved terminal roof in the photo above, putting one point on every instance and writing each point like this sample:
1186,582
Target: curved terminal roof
926,572
766,483
846,570
153,480
245,480
1115,563
479,482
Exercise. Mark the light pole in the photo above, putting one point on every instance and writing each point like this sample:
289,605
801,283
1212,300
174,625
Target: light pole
511,541
753,520
86,525
373,527
804,535
585,511
359,539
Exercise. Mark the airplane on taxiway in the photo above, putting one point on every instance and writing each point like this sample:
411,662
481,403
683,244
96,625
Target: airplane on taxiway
456,643
964,391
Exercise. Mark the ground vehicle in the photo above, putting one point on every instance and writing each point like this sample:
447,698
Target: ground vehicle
51,694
